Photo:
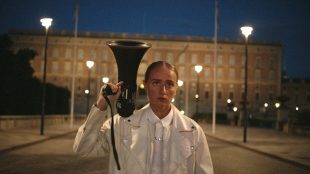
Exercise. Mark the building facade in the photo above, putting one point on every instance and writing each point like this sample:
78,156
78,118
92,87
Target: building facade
264,67
297,93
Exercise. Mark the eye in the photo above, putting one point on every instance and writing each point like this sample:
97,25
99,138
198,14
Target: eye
156,83
169,84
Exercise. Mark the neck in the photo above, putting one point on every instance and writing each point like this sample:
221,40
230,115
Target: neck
161,111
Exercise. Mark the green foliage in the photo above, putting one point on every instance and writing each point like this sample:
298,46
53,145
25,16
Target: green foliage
20,91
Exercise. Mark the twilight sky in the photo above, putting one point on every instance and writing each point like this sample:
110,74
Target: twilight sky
283,21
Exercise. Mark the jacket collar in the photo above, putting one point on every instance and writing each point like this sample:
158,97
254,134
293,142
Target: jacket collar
179,123
182,137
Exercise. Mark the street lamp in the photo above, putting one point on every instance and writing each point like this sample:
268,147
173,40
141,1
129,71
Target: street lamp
89,64
105,80
246,31
228,101
235,109
198,69
46,22
180,83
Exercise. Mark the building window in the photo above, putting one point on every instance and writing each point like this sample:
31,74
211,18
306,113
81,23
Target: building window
257,75
54,67
231,95
206,94
68,53
104,55
193,72
271,62
207,72
170,58
181,71
258,62
232,60
242,74
194,59
219,95
67,68
157,56
55,53
104,69
42,66
257,96
41,52
81,54
182,59
79,69
220,60
219,73
242,60
207,59
232,73
93,54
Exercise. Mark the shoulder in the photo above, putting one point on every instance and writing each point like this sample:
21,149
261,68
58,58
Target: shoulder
184,122
134,120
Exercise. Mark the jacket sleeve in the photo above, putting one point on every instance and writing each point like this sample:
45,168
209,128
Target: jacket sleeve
203,157
90,140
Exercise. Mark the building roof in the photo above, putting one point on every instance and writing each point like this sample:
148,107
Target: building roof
158,37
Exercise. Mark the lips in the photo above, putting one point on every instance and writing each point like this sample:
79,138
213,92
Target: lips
162,98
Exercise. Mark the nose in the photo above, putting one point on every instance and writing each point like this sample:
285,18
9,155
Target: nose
163,88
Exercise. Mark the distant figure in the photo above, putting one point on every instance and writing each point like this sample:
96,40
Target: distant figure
156,139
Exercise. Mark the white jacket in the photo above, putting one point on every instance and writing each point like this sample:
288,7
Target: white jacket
188,152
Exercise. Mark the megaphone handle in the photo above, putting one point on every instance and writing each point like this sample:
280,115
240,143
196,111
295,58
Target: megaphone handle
107,91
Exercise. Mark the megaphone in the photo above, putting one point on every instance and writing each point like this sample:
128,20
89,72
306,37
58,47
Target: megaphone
128,55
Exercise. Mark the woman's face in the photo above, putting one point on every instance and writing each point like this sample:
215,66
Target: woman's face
161,86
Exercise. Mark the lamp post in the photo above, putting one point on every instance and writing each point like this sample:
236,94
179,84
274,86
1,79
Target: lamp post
246,31
278,121
89,64
180,84
46,22
198,69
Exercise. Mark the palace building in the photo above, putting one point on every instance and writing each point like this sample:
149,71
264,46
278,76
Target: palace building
264,66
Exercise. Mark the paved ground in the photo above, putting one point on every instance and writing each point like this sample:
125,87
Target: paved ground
289,148
292,149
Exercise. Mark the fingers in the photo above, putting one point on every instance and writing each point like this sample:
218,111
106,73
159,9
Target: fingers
116,89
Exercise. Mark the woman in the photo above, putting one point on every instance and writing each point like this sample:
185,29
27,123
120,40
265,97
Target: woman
154,139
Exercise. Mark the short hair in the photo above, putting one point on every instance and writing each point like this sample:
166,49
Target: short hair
157,64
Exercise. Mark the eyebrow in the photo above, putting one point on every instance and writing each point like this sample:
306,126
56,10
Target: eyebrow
170,81
152,80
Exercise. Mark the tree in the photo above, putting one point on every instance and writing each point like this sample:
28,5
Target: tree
20,91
